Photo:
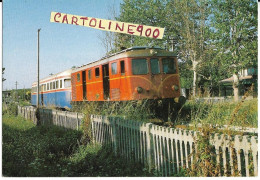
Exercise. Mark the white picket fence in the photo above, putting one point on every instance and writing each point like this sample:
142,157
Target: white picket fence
70,120
164,150
28,112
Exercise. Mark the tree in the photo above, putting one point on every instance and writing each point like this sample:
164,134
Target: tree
189,20
234,28
146,12
108,38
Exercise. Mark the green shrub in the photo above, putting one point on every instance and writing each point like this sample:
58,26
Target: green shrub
12,109
95,160
45,151
133,110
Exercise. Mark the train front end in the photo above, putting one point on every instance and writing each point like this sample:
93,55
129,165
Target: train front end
154,76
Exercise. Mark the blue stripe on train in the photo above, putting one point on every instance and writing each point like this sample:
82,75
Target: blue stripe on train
58,99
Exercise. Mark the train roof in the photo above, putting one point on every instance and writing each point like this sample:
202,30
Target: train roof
136,51
62,74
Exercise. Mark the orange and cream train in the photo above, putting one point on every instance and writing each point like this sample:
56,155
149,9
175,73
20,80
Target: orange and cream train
137,73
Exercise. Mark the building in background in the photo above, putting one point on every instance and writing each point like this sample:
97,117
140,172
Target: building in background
247,79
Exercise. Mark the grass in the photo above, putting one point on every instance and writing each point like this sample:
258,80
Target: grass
49,151
133,110
243,114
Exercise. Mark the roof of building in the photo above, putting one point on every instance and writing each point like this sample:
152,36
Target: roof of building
231,79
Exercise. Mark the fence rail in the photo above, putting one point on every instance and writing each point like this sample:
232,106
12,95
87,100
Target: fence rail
165,150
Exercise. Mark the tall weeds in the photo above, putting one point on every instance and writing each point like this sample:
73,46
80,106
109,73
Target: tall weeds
209,115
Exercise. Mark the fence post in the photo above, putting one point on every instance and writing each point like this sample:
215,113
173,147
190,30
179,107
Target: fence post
114,134
77,115
149,146
93,128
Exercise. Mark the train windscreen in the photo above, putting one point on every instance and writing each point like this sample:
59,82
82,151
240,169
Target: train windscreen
139,66
169,66
155,68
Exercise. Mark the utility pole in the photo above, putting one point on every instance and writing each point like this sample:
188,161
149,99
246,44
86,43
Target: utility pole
23,92
38,69
16,83
172,41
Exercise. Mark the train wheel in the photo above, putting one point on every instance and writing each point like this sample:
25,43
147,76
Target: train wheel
169,110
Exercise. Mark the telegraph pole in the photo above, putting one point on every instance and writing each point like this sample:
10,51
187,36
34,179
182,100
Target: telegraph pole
16,83
38,69
172,41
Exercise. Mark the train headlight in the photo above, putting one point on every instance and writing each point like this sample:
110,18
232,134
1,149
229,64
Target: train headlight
175,87
139,89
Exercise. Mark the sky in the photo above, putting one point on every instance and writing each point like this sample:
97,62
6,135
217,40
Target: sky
61,45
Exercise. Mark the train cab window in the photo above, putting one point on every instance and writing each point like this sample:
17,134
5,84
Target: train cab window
122,67
89,74
97,72
78,77
155,68
67,83
139,66
114,68
60,83
169,66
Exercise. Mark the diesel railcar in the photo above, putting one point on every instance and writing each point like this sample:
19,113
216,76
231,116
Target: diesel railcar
55,90
137,73
133,74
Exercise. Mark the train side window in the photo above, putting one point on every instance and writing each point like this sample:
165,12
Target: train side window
44,87
89,74
114,68
54,85
78,77
97,72
67,83
48,86
60,83
139,66
169,66
122,67
57,84
155,68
